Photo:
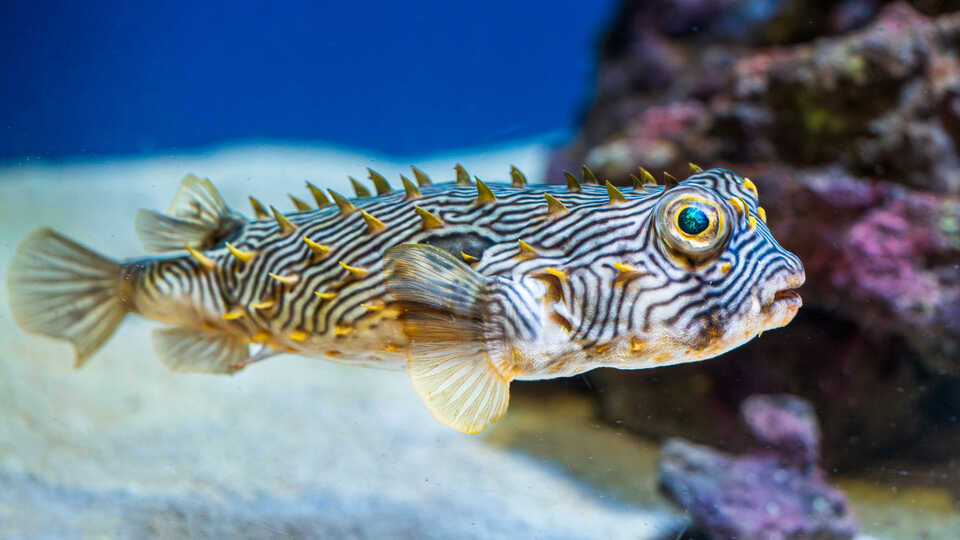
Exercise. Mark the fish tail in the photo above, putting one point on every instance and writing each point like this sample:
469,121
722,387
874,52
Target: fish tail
61,289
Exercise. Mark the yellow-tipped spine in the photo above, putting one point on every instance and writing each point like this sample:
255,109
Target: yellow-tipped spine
526,250
205,262
518,179
429,221
554,206
359,188
411,189
286,227
422,178
355,271
318,195
646,177
318,250
288,281
762,213
615,195
379,182
463,177
694,168
484,195
258,210
588,176
374,225
300,205
573,185
343,204
243,256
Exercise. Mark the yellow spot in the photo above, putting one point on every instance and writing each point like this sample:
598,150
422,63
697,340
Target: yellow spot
390,347
625,268
752,222
298,335
324,295
737,204
749,186
319,250
725,268
356,271
372,307
286,227
557,273
637,345
204,261
266,304
762,213
259,337
429,220
333,354
341,330
600,349
233,314
526,251
468,257
374,225
245,256
285,280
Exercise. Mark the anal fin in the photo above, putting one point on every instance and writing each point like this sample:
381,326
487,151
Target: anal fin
195,350
460,387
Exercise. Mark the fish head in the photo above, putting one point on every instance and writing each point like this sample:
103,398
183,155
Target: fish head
716,276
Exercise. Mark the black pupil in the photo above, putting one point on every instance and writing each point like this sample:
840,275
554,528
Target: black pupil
693,220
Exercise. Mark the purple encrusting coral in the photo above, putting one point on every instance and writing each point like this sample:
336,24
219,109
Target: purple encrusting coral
772,492
846,115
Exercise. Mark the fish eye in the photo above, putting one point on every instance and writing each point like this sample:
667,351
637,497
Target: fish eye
691,226
693,220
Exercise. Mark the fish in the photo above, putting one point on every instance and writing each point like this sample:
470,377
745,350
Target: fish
467,284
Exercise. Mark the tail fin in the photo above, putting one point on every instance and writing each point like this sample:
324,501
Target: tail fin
198,218
61,289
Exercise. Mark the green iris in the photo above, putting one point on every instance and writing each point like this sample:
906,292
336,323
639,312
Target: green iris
693,220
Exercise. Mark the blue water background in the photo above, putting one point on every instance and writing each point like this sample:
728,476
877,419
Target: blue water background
84,79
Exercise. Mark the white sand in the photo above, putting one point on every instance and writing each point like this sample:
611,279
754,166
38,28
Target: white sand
301,447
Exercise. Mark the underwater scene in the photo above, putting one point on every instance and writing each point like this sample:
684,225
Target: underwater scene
618,269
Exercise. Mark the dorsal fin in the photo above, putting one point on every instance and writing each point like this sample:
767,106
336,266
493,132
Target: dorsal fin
198,218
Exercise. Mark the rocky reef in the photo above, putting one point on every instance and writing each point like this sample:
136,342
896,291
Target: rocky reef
774,491
846,115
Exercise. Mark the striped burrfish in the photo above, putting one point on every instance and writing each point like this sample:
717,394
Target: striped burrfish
469,285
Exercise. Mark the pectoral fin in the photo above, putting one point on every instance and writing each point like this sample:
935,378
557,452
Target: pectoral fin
458,355
195,350
460,388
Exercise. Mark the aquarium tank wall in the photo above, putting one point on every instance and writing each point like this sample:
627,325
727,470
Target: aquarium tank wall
430,270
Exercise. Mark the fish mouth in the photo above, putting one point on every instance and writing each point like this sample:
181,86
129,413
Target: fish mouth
785,303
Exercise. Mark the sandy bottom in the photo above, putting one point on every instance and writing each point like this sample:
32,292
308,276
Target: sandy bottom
125,448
